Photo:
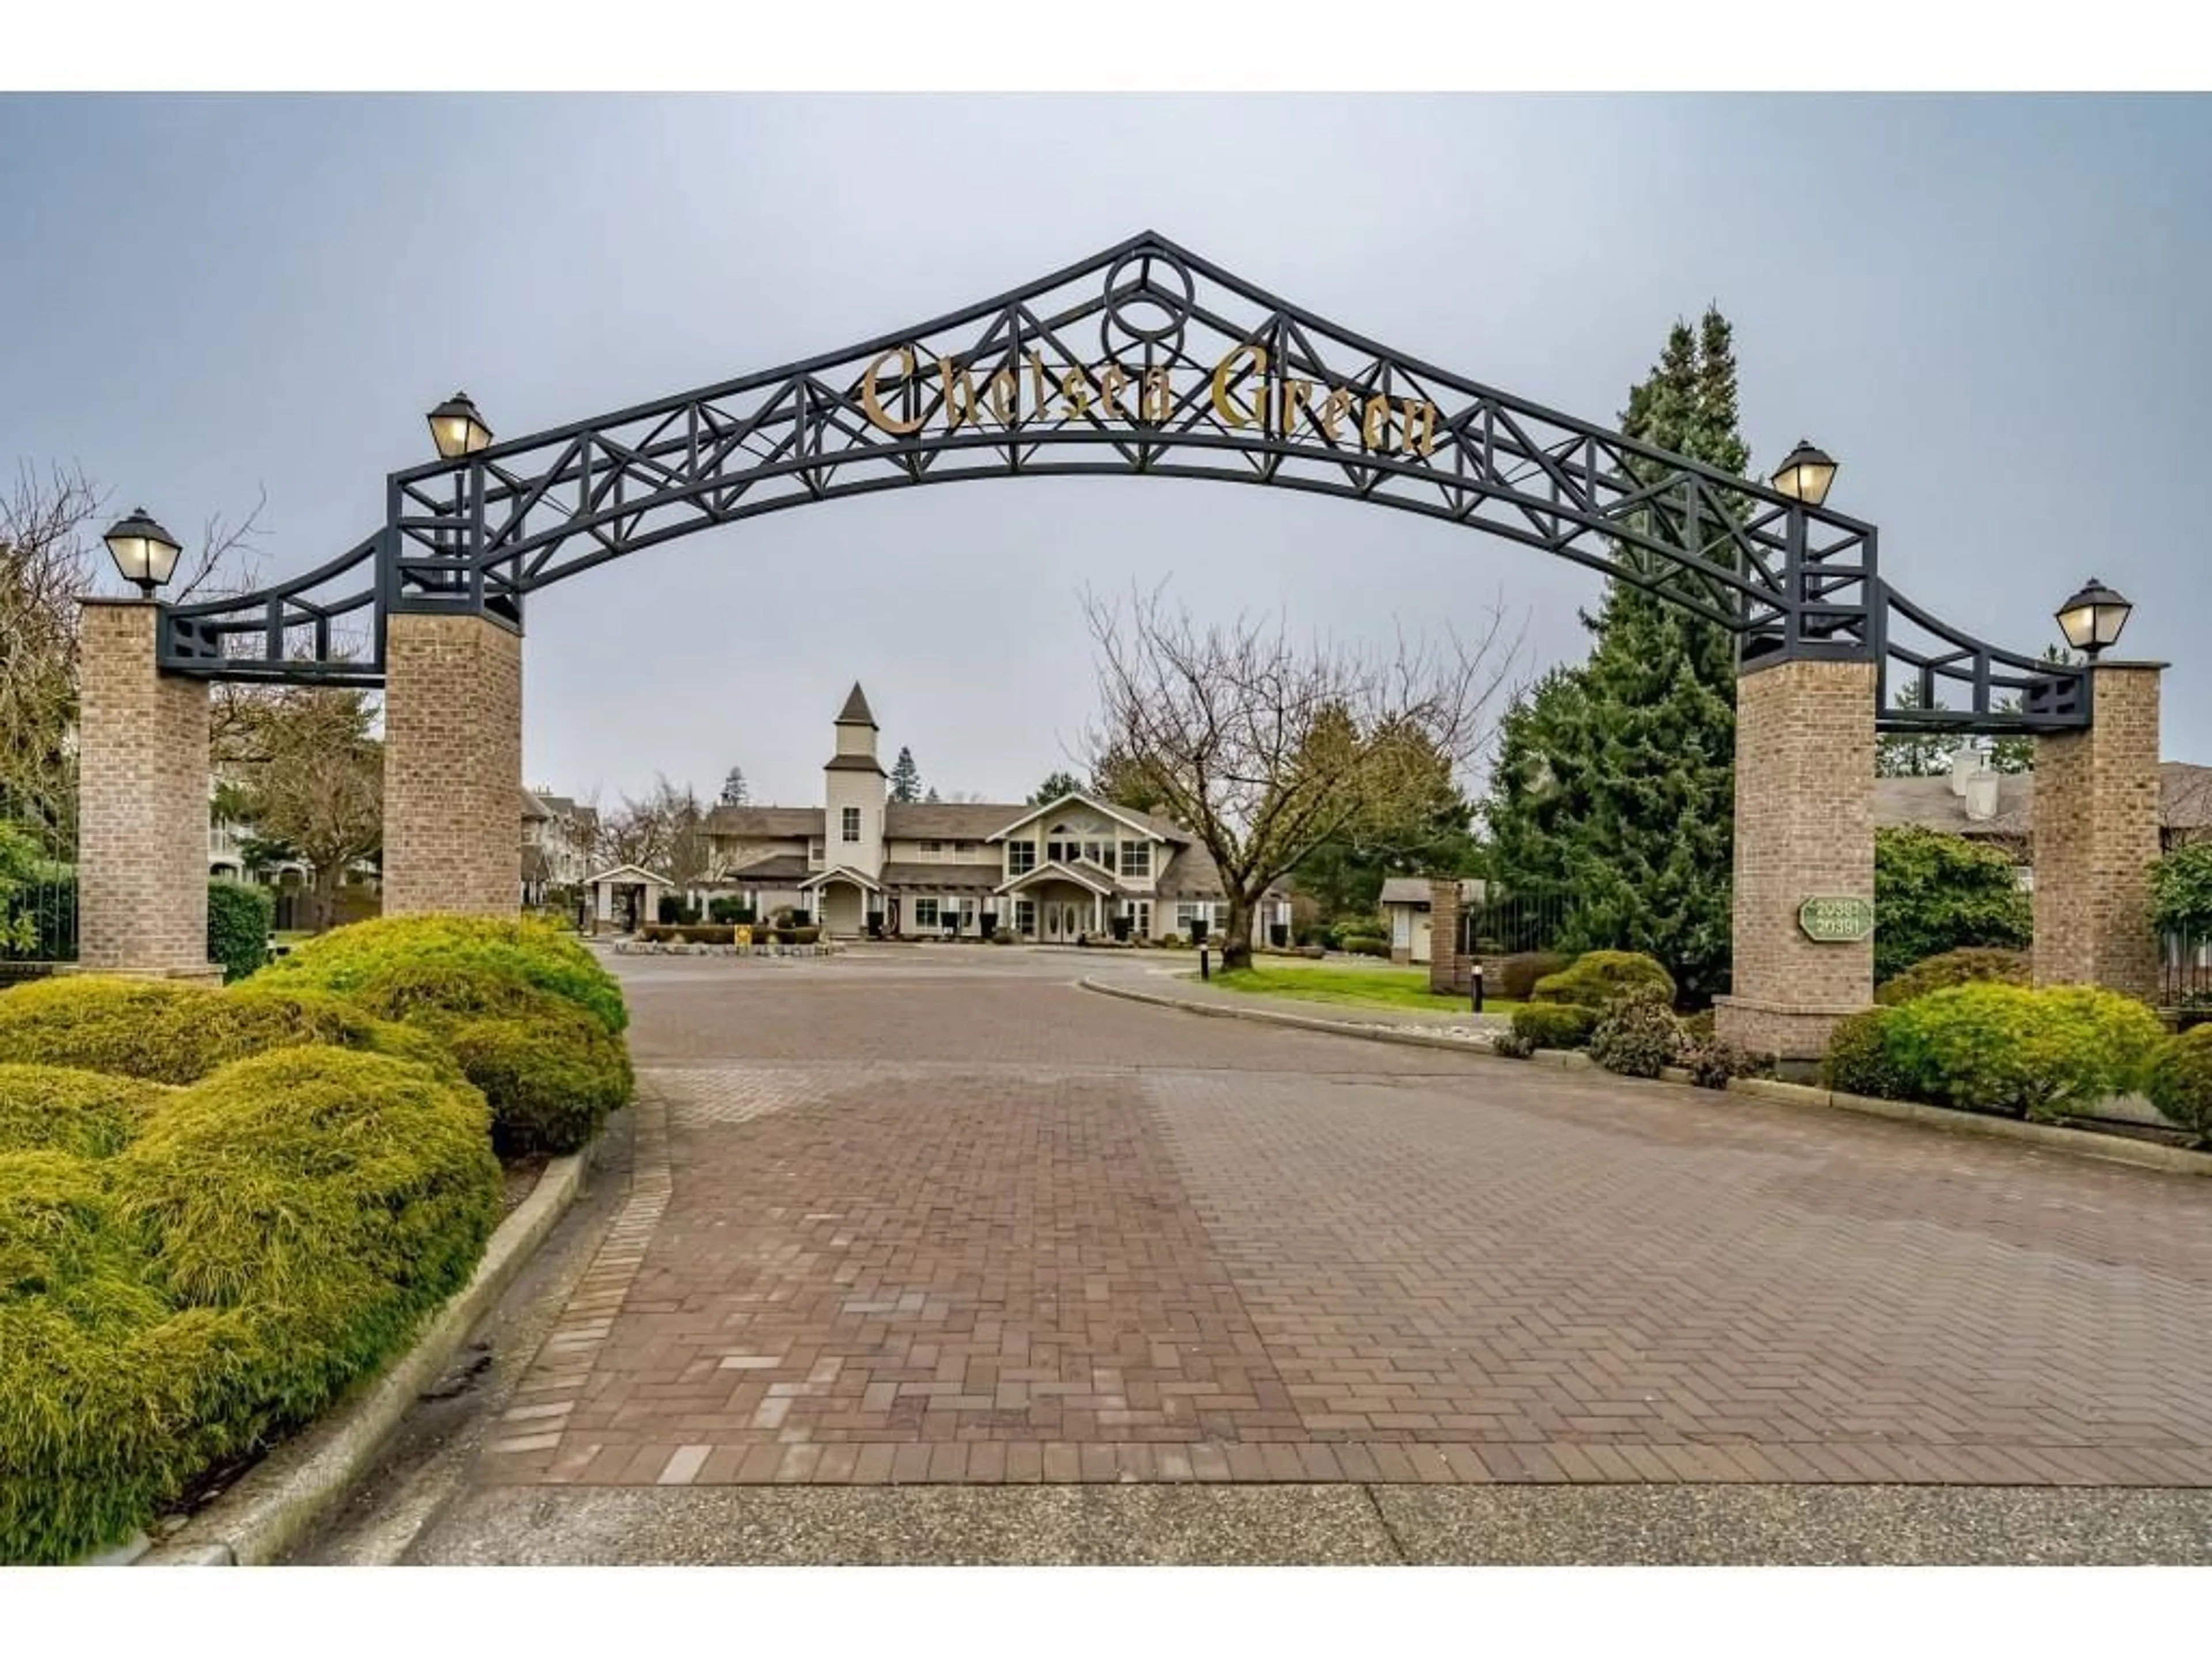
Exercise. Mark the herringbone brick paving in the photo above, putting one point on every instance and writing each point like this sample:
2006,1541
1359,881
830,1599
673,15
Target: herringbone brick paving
975,1224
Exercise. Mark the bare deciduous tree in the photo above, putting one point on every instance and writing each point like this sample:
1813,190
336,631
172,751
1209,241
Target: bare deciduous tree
1263,749
665,831
308,776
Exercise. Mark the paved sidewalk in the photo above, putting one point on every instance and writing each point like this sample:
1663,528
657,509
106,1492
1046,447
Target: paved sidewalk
1181,982
971,1225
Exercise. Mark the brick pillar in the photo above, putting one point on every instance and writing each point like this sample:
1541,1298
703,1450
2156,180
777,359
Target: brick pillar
453,765
2096,836
142,803
1804,829
1446,975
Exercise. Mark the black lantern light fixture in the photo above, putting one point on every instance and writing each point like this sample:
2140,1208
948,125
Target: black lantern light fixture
1805,474
458,428
144,552
2093,618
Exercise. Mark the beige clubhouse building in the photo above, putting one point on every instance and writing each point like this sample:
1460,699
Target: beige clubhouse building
1053,874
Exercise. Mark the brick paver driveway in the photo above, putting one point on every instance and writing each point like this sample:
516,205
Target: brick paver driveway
941,1216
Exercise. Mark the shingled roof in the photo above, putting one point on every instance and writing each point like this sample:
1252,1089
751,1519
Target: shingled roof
856,711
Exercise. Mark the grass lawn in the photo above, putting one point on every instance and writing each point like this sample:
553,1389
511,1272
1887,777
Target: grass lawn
1369,988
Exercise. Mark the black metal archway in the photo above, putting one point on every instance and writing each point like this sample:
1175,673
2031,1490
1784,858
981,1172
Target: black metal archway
1144,360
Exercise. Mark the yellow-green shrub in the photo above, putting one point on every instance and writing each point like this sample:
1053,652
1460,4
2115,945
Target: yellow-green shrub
2006,1048
1858,1061
1968,965
1597,976
275,1233
1554,1024
2178,1080
333,1197
172,1033
346,958
551,1072
85,1114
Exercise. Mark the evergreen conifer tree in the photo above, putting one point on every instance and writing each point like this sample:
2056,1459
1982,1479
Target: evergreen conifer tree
1614,793
906,777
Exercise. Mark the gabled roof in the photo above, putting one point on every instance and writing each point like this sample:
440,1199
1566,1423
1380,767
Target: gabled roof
944,820
841,872
1094,878
1144,824
649,876
765,823
855,711
533,809
779,867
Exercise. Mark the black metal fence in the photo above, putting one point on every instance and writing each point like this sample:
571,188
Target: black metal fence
2184,975
38,880
1507,923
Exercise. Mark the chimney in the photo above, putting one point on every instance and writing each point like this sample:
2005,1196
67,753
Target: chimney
1981,793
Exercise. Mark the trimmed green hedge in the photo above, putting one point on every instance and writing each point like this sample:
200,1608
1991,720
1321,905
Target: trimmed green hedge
166,1032
551,1072
1517,974
2178,1080
1598,976
84,1114
1554,1024
2000,1048
273,1234
238,921
345,958
1969,965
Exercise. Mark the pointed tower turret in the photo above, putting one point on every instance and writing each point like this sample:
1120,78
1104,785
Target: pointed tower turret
854,791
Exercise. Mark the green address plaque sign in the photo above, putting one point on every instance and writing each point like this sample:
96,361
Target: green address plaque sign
1836,920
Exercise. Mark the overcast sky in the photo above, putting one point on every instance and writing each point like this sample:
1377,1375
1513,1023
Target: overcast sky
1992,310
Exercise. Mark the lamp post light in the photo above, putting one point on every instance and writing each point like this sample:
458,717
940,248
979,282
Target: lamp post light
144,552
458,428
1805,474
2093,618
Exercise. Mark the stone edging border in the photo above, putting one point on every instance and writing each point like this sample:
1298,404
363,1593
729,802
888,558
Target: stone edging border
268,1510
2045,1137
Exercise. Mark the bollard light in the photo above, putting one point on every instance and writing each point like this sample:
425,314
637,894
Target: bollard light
457,429
1805,474
144,552
2093,618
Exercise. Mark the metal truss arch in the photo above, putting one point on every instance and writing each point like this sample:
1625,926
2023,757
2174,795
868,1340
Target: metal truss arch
1144,360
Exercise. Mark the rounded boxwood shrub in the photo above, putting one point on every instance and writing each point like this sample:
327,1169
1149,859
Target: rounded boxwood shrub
550,1072
1596,977
238,921
276,1231
1857,1060
2178,1080
551,1079
1970,965
1554,1024
345,957
174,1033
1517,974
2024,1052
84,1114
333,1197
1637,1033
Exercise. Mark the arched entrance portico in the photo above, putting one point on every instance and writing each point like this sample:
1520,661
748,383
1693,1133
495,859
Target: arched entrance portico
1145,360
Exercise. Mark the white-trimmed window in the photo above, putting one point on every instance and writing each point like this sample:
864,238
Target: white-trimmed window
850,819
933,849
1021,857
1024,915
925,913
1136,858
1100,853
814,851
1139,912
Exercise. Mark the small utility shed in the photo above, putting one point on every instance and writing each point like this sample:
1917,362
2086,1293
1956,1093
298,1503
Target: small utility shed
1406,907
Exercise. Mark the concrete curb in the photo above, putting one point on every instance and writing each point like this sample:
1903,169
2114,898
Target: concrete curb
1410,1039
268,1511
2045,1137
